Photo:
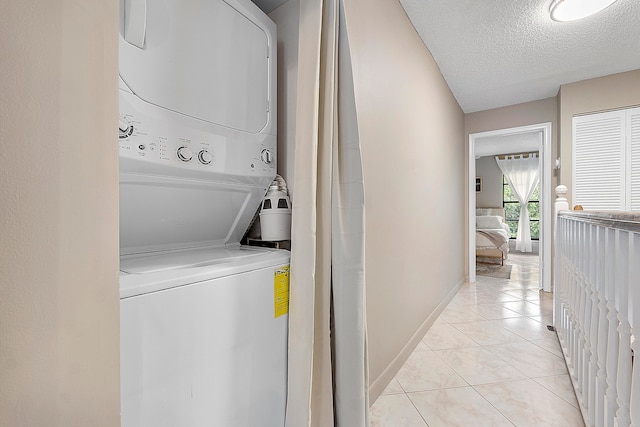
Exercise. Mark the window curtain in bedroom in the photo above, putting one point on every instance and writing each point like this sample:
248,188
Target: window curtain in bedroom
328,382
522,174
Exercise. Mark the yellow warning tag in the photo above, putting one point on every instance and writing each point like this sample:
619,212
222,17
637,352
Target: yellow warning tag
281,291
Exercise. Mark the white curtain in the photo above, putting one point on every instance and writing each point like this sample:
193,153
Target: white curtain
522,174
328,367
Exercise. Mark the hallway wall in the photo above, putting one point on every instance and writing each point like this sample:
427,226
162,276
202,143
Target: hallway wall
59,299
411,131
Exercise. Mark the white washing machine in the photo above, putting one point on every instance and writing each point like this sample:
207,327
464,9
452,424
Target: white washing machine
203,339
203,319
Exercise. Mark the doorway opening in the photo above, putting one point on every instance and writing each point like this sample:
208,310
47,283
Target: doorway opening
505,141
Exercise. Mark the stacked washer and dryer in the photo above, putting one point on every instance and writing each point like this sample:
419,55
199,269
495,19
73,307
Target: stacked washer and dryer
203,319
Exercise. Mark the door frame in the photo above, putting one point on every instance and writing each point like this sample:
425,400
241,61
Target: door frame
545,196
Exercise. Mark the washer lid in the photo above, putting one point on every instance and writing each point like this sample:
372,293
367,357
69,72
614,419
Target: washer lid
145,274
203,257
201,58
165,213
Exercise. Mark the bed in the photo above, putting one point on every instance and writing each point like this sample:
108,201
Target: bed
492,234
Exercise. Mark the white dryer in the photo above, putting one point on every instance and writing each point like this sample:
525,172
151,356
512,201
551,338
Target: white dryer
203,319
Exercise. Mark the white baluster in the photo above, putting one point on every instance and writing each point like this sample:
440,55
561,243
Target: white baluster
603,328
634,312
624,328
568,287
585,320
564,302
580,320
571,301
561,204
586,314
574,305
593,322
564,312
612,334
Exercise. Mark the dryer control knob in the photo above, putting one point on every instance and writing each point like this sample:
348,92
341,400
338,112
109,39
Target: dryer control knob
125,129
205,157
185,154
267,157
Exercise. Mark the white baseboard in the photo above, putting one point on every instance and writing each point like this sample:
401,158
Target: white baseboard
379,384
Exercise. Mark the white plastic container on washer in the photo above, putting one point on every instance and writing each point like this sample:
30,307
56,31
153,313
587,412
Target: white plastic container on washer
275,216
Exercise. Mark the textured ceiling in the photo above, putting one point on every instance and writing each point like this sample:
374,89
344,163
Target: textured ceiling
494,53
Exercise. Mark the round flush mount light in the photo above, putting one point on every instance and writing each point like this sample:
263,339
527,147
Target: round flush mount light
570,10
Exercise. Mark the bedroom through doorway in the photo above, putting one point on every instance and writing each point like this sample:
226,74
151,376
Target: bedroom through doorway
504,166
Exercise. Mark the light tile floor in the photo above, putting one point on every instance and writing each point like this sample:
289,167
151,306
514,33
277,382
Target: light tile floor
489,360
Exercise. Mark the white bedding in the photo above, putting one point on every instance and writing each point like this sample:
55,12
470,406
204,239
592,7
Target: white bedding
492,233
489,221
483,242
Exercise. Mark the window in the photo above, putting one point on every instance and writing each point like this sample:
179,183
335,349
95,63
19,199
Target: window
512,210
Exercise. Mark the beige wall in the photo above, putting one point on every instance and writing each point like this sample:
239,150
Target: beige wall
528,113
59,321
411,132
588,96
491,194
286,18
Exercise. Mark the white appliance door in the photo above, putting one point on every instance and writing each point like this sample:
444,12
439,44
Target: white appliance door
208,354
160,213
201,58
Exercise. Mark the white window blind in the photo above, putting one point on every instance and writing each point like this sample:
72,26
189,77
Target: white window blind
633,121
606,160
598,167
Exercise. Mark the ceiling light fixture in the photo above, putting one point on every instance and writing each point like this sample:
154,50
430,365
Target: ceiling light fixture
570,10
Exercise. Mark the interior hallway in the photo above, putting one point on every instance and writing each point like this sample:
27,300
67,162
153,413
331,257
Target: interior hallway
489,360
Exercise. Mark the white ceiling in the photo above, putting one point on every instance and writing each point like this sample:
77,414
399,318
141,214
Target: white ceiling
494,53
516,143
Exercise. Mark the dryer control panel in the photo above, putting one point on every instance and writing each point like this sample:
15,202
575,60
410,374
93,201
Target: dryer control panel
154,142
167,138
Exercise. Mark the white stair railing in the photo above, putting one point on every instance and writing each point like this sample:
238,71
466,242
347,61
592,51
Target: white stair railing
597,310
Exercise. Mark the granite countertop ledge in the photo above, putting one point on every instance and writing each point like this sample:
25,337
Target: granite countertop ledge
629,221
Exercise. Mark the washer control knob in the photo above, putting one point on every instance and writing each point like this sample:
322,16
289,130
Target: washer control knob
125,129
205,157
185,154
267,157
